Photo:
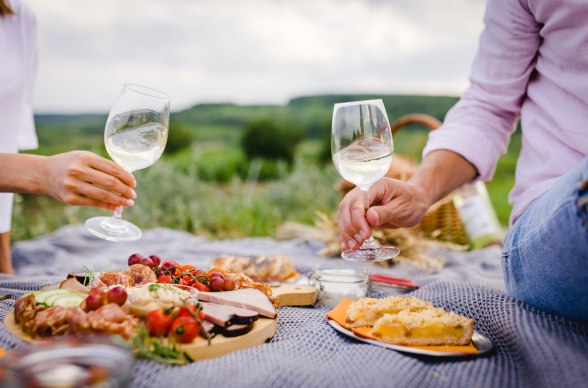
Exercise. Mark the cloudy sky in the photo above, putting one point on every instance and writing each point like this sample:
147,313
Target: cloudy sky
250,51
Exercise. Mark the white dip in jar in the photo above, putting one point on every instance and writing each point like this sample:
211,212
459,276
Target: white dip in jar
336,283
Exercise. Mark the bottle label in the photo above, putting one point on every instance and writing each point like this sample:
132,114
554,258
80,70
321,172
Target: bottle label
476,218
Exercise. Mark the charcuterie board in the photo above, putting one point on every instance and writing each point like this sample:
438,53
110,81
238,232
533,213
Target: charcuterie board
263,330
199,349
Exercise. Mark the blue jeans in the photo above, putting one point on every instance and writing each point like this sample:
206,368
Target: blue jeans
545,256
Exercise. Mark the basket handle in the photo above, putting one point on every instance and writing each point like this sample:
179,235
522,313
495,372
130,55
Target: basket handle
426,120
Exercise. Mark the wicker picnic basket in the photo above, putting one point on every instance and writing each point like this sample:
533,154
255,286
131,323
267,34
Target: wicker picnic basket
442,222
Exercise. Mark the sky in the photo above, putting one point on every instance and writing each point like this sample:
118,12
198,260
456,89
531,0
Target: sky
250,51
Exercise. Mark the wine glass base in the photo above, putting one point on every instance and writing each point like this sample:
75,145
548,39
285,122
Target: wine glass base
107,229
368,255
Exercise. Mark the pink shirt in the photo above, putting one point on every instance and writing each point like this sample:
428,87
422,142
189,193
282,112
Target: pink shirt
533,63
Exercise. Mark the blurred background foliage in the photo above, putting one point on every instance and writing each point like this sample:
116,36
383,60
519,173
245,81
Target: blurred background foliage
234,170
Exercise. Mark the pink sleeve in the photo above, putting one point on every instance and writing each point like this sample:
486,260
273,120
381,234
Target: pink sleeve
479,126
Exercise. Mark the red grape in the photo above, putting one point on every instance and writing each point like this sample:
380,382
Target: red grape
216,275
167,265
135,258
229,284
93,302
117,294
147,261
156,260
99,291
216,284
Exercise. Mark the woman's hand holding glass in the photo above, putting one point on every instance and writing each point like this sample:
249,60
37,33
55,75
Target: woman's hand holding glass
82,178
135,137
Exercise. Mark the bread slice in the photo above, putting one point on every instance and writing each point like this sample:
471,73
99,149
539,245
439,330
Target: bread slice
426,327
366,311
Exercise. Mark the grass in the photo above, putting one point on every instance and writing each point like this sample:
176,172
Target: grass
181,200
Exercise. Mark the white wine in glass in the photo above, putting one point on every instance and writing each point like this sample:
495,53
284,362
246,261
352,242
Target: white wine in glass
362,149
135,137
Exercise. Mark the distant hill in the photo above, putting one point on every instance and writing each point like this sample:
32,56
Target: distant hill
310,113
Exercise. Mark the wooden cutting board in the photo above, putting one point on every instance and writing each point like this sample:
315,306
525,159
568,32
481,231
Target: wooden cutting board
263,328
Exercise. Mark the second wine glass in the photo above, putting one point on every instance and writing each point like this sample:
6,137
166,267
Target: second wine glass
135,137
362,150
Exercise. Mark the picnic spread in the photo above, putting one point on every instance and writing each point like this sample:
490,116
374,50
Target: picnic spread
529,347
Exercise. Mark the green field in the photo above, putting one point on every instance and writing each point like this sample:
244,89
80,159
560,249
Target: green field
206,185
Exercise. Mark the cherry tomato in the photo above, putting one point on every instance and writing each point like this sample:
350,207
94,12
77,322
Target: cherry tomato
164,279
188,268
201,287
200,272
186,281
185,329
159,322
185,312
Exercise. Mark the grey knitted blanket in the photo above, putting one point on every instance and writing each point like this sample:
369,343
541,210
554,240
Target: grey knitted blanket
533,349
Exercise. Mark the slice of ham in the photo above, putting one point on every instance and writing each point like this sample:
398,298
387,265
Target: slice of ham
246,298
217,314
224,315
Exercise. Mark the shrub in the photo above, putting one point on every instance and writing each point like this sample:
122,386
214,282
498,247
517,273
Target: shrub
267,139
179,138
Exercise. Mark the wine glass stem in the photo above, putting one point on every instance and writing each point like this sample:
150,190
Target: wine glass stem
117,215
369,243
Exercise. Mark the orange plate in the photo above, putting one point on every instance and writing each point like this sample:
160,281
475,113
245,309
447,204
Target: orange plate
337,318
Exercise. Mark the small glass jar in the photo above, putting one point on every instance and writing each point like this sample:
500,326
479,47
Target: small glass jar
336,283
69,363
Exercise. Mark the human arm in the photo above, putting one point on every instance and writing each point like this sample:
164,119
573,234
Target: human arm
394,203
78,178
474,134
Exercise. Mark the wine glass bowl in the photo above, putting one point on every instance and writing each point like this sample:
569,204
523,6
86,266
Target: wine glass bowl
362,150
135,136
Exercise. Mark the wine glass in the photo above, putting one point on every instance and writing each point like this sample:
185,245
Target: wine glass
362,149
135,136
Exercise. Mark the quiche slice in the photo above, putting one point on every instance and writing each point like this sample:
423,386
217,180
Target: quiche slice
366,311
426,327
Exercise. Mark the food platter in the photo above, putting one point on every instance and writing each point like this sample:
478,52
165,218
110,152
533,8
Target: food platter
263,330
481,344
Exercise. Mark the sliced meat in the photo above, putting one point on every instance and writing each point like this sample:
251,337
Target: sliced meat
240,315
51,321
217,314
111,319
246,298
208,327
224,315
236,330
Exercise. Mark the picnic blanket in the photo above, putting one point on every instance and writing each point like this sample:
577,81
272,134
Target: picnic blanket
533,348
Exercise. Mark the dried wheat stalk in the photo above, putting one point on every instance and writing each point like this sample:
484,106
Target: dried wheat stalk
414,248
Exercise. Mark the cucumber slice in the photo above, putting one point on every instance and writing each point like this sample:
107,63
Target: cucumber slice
50,300
72,300
42,296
